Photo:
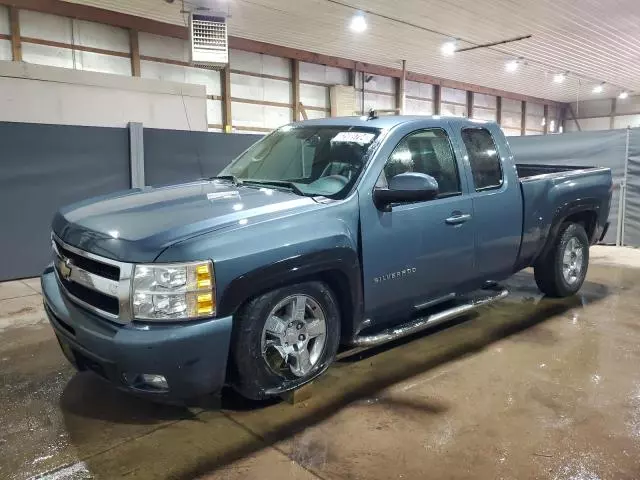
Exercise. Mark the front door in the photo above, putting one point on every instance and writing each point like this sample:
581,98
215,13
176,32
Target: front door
418,252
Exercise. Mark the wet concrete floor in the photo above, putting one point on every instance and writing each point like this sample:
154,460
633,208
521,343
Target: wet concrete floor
526,388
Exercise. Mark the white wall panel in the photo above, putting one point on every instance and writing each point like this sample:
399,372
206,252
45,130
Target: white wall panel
532,132
4,20
45,55
5,50
511,132
97,35
624,121
257,88
418,107
535,109
97,62
45,26
214,112
453,95
313,114
163,47
599,123
260,116
314,96
259,63
323,74
375,101
486,101
177,73
628,105
513,106
484,114
417,89
449,109
592,108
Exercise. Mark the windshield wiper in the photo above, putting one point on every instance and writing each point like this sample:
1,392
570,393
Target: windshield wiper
232,178
277,183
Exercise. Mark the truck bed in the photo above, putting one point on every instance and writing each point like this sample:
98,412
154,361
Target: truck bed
526,170
547,189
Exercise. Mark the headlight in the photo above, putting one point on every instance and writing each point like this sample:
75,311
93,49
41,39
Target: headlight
176,291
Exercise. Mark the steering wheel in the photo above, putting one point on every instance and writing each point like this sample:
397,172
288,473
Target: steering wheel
331,184
342,168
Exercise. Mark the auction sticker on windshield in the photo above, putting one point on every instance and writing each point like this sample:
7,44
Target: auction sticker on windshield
361,138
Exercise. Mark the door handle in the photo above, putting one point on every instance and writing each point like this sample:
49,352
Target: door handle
457,219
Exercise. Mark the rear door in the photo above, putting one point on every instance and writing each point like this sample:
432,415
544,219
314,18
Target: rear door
496,197
423,251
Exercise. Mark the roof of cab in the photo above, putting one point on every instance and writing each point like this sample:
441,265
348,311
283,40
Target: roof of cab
385,121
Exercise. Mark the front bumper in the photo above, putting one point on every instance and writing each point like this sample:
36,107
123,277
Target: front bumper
191,356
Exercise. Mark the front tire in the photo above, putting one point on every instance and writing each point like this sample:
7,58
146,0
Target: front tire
561,272
284,339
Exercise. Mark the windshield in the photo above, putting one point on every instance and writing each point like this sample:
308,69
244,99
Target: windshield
309,160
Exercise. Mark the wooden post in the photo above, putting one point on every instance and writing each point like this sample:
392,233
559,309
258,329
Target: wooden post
469,104
437,99
295,88
546,119
134,46
523,119
401,96
499,110
612,119
225,83
14,27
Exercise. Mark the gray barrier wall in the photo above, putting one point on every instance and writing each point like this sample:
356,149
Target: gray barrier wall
172,156
43,167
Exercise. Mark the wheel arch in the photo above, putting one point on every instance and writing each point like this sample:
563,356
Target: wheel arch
339,268
585,212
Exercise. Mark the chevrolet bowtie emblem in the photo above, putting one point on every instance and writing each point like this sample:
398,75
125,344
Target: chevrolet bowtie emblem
64,267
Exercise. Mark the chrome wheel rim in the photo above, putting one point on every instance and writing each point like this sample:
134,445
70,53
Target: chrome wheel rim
294,336
572,261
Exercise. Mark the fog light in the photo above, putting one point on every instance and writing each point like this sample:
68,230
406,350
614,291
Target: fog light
156,381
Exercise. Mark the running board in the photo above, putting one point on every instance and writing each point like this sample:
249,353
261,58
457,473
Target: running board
426,322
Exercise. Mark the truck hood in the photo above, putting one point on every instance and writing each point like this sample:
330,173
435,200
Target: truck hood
137,225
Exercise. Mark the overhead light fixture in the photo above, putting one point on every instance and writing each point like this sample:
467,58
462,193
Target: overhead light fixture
448,48
512,65
559,77
358,23
623,95
598,88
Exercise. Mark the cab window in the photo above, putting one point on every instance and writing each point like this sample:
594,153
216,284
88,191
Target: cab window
426,151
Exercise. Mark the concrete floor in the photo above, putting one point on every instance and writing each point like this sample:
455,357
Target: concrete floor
526,388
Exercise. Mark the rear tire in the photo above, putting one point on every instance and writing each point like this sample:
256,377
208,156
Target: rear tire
284,339
562,270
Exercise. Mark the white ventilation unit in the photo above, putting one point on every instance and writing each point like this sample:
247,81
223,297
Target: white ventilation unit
209,41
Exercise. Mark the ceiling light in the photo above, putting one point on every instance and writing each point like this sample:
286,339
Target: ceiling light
623,95
358,23
559,77
512,65
598,88
448,48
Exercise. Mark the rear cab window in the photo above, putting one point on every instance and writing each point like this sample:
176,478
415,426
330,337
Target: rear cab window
484,158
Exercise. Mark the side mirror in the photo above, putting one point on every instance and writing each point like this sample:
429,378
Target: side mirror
406,188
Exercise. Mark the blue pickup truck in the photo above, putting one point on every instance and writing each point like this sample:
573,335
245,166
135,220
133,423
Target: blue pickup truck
342,231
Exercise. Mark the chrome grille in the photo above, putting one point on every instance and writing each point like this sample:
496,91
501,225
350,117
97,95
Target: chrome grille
96,283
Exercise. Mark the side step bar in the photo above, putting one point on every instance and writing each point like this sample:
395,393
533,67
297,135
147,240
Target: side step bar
425,322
